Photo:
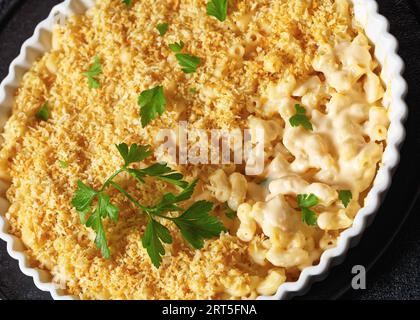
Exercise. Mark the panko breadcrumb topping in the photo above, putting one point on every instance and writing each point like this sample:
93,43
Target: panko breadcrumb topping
261,42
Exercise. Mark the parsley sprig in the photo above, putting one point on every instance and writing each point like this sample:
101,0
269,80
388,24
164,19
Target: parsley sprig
195,223
92,74
305,202
127,2
300,118
218,9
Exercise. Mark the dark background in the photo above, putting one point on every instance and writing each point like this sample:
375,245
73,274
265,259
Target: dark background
390,249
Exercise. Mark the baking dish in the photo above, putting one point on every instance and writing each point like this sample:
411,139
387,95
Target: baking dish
376,28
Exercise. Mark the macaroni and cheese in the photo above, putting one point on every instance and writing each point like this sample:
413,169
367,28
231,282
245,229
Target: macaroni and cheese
268,62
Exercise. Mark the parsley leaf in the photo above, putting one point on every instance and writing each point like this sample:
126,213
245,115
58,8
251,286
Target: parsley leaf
83,197
218,9
309,217
94,71
229,212
82,201
105,208
127,2
193,90
175,179
133,154
300,118
169,200
187,192
152,240
151,102
162,28
196,224
157,169
345,196
43,112
177,46
160,171
95,222
305,201
262,182
63,164
188,62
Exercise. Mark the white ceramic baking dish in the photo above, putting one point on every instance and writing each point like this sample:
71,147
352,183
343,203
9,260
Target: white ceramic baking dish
376,27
